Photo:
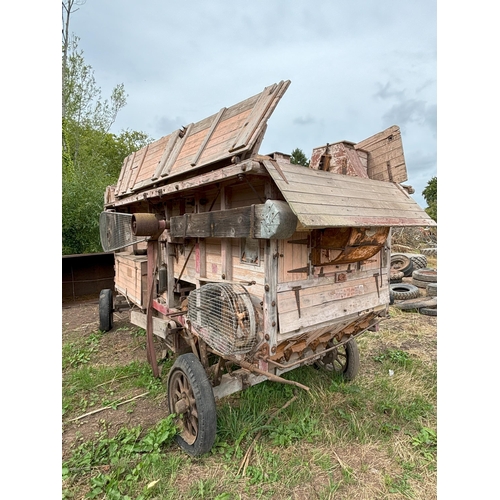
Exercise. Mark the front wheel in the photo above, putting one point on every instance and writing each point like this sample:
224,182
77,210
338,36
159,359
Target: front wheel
343,360
191,398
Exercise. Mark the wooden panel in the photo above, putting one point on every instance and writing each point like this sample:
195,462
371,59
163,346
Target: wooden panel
261,110
214,124
324,199
131,277
205,142
386,160
327,301
295,256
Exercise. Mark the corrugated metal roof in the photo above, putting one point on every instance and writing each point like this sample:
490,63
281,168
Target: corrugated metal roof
323,199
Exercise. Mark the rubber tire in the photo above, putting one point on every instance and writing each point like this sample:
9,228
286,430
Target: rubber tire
428,311
188,367
396,277
408,305
106,310
348,369
431,289
401,262
432,252
419,284
404,291
425,274
419,260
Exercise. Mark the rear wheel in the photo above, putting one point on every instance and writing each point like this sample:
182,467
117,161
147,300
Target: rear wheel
344,360
191,397
106,310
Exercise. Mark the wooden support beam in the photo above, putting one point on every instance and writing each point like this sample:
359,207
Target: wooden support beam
273,219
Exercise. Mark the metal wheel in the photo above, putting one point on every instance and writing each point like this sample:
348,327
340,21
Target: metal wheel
190,396
344,360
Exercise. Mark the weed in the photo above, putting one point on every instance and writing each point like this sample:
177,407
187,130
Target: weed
396,356
120,461
426,443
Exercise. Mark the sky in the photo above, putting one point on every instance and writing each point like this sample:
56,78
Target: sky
356,68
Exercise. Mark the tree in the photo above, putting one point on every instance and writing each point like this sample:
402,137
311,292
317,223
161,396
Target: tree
430,195
91,155
299,158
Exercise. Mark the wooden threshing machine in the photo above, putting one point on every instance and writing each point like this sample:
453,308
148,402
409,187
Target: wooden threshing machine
248,266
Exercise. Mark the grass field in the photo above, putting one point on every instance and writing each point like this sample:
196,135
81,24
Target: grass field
372,438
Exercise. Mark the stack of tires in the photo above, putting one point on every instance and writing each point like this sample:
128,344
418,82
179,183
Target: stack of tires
406,263
406,296
426,278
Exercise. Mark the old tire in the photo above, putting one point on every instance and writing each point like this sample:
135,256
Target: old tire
431,289
426,274
344,360
419,284
413,304
396,277
432,252
404,291
106,310
428,311
402,263
190,395
419,260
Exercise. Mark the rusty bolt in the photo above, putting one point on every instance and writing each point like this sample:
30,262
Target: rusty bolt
223,276
266,288
266,336
273,349
273,323
273,303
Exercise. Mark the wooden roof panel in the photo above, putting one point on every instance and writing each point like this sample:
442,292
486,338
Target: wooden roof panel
323,199
231,131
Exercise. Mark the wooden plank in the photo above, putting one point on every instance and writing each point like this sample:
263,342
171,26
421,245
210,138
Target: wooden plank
172,139
175,152
215,122
136,170
274,219
269,306
160,326
127,171
331,311
261,110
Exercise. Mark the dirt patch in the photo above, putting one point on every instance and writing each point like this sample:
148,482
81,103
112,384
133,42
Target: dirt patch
120,346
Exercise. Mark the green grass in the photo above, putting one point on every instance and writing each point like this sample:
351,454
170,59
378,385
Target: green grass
374,437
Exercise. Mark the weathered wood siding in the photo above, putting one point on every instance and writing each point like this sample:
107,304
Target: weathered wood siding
309,301
131,277
386,161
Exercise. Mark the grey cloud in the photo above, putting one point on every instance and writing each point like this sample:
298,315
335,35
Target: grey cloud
412,111
304,120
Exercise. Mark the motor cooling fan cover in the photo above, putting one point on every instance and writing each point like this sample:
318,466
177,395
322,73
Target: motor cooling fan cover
223,315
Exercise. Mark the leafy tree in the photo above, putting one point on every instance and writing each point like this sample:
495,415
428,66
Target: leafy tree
91,155
430,195
299,158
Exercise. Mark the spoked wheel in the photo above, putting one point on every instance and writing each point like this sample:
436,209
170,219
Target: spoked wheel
344,360
105,310
190,396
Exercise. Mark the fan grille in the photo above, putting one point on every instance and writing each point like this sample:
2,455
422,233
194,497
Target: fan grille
224,317
116,231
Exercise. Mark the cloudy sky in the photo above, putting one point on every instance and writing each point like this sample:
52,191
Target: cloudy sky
356,67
